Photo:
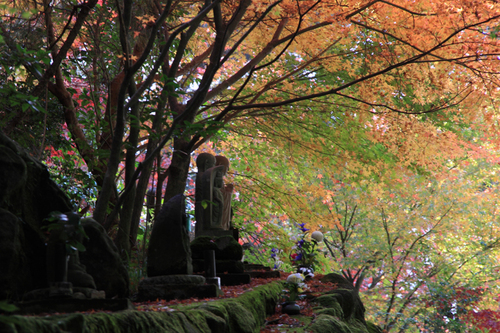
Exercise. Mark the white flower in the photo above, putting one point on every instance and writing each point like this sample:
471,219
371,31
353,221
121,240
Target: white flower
306,271
295,278
317,236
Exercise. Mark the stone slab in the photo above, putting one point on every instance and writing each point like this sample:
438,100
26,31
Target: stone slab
234,279
264,274
178,291
256,267
173,280
221,266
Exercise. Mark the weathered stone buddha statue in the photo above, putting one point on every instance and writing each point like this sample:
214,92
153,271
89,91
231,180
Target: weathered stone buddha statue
204,162
212,197
227,194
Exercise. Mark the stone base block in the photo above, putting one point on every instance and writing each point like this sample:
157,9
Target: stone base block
256,267
170,287
173,280
221,266
63,290
176,291
264,274
219,232
234,279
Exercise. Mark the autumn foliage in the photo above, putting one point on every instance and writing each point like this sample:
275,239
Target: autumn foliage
373,121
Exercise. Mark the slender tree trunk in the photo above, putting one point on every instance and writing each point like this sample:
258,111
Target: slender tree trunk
143,182
122,240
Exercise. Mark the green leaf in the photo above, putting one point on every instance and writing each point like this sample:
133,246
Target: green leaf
4,306
77,246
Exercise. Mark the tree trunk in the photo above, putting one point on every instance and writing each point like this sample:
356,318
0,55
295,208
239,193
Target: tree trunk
143,183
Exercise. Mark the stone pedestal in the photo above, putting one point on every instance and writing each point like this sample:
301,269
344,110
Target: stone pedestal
170,287
261,271
64,290
218,233
215,281
234,279
61,289
223,266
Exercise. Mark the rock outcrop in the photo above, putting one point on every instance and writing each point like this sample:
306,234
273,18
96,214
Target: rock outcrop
27,197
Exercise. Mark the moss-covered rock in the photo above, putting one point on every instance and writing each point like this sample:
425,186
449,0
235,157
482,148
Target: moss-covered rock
27,196
372,328
338,280
329,324
340,311
333,311
55,324
350,303
246,313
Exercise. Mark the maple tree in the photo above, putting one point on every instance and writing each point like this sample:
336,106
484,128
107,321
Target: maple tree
135,77
302,96
409,245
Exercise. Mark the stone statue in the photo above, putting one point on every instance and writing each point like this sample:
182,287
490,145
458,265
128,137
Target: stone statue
63,262
212,199
204,162
169,252
227,194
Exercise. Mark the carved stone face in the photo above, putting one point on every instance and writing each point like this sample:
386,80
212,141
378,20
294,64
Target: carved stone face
218,180
209,163
221,160
205,161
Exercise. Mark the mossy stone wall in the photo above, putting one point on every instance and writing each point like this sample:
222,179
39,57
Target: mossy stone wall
244,314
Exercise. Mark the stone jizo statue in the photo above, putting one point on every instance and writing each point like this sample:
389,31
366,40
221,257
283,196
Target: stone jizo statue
227,193
63,262
212,197
204,162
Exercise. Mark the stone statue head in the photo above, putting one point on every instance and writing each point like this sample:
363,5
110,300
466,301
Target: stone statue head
205,161
222,160
218,179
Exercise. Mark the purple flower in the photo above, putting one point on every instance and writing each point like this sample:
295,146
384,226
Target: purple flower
300,243
298,257
302,228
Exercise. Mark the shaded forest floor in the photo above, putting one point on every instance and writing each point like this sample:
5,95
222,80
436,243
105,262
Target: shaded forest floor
277,322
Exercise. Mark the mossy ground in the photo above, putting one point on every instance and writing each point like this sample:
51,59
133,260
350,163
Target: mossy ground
252,311
246,313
